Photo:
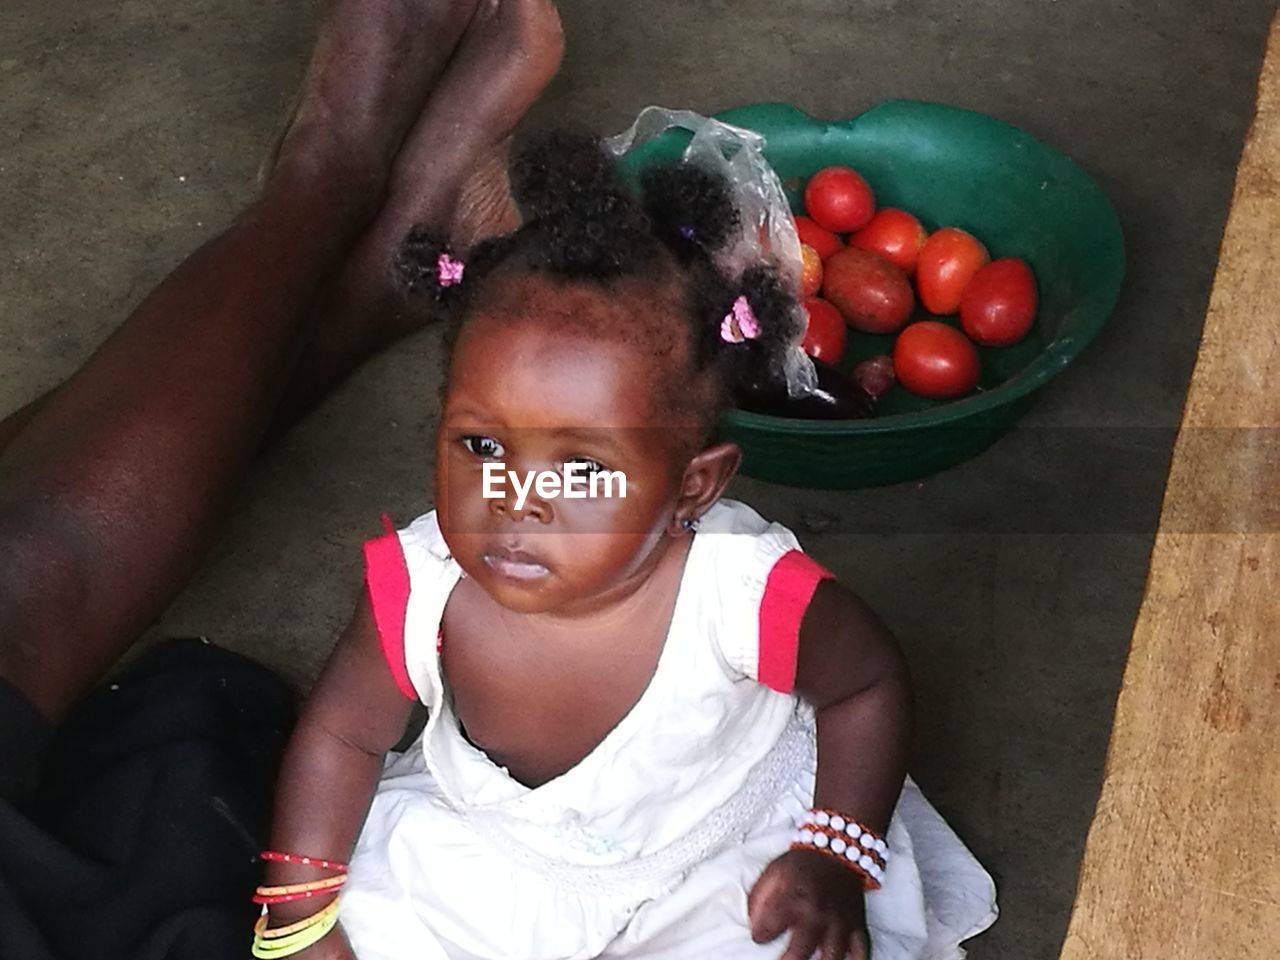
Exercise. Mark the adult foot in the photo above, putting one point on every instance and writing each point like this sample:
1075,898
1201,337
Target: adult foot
450,174
452,171
372,68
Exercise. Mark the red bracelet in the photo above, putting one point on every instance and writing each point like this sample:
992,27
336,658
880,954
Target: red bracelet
274,899
276,856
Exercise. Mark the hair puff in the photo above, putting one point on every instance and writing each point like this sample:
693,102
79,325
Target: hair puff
573,198
692,209
427,265
758,362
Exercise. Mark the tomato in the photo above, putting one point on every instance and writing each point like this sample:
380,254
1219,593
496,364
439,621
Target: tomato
839,199
947,262
894,234
874,375
873,294
820,238
811,271
998,306
824,338
936,361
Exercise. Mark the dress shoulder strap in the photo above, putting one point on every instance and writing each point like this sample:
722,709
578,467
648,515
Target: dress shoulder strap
788,589
386,578
763,585
410,575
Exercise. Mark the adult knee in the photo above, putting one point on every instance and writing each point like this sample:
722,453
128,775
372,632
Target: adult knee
44,589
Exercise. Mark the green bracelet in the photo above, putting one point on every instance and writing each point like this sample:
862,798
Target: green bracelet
275,949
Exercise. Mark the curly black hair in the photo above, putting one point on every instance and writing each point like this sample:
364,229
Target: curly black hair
583,222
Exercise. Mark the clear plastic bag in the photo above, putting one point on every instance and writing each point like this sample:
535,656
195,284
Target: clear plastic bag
766,233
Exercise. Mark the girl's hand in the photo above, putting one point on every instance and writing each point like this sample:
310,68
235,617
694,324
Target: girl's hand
818,900
332,947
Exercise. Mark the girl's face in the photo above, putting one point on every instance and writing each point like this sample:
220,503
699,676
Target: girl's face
528,396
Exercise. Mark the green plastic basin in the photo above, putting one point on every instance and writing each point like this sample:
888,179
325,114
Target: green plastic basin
950,167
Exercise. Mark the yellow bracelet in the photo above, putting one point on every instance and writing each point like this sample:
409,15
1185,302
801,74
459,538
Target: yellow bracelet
260,929
294,942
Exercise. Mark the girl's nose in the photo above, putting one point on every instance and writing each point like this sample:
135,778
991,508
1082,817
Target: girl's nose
533,507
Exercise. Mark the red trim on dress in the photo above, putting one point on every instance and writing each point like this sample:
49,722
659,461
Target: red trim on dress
386,577
787,592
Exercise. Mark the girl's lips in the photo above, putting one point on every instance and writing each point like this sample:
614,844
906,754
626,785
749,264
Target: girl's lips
515,564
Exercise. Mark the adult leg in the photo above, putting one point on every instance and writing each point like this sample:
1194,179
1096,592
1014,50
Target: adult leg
450,174
108,489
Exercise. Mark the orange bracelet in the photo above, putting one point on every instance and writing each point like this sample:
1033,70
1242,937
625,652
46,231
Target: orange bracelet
289,892
260,929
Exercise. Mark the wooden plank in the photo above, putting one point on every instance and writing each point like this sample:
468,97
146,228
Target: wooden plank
1183,857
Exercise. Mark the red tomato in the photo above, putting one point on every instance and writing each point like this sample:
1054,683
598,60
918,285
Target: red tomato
839,199
947,262
998,306
820,238
824,338
811,272
894,234
873,294
936,361
874,375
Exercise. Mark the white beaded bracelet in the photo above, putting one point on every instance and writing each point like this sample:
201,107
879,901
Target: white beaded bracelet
846,840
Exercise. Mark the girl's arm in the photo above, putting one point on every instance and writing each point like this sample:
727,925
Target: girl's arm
353,716
851,670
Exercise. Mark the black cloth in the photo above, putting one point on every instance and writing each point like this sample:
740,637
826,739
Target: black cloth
132,831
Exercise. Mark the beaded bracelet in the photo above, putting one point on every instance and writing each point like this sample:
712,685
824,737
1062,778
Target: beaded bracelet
832,833
275,856
317,928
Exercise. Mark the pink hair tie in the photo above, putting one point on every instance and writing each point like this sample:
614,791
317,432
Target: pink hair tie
740,323
449,270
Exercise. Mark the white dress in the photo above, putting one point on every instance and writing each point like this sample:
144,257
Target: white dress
648,847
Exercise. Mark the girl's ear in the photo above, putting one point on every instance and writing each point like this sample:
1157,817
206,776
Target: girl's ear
705,478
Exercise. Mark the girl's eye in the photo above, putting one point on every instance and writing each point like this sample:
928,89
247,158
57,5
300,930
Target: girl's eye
587,466
485,447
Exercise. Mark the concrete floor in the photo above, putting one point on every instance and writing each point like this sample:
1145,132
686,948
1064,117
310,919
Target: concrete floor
131,132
